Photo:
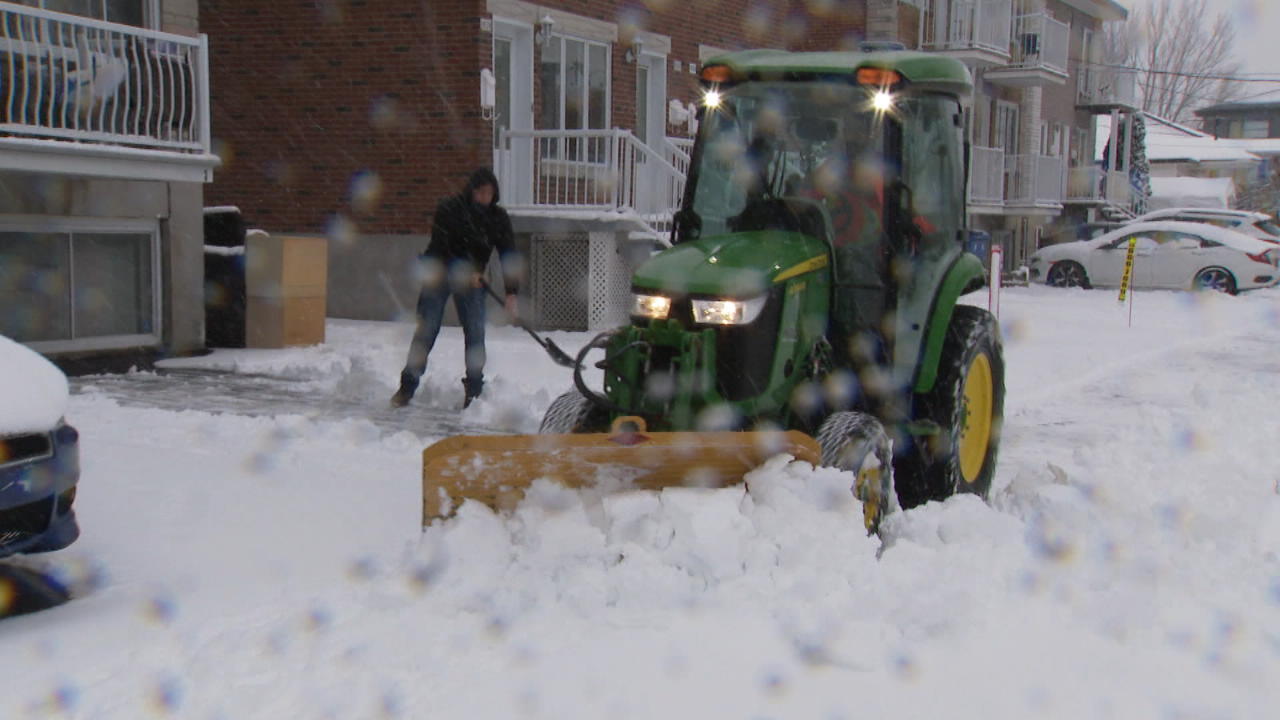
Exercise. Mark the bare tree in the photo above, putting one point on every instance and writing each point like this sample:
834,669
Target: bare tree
1181,53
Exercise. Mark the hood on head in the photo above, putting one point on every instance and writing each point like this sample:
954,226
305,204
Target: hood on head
481,177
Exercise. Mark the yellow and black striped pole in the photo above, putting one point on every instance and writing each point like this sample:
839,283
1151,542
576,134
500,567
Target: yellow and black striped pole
1128,275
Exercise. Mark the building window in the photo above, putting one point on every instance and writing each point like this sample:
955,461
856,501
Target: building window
79,289
1257,128
574,78
126,12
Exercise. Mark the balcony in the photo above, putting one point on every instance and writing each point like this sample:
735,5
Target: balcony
601,175
1034,182
1101,89
1039,53
85,97
974,31
986,180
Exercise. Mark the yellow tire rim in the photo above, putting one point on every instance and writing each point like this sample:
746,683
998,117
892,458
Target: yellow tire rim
868,491
975,418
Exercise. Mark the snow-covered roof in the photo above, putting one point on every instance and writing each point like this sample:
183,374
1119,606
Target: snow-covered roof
1191,192
1268,98
1169,142
35,392
1223,236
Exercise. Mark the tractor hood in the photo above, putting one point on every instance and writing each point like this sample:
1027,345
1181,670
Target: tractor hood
738,265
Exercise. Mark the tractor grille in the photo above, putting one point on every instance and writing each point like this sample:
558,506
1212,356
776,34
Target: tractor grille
744,354
17,449
25,520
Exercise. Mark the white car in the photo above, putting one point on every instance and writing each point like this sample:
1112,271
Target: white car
1174,255
1253,224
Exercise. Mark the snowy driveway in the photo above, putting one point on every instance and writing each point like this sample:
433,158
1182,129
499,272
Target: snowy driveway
273,565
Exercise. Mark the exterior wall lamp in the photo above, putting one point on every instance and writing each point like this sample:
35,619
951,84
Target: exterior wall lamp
545,25
633,52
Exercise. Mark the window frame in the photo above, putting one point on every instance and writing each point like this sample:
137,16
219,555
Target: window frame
71,226
562,151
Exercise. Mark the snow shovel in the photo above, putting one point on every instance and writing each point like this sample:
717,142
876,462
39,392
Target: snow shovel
560,357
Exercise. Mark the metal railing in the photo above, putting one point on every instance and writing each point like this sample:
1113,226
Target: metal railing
73,78
1084,184
967,25
1034,180
592,170
1107,87
986,176
1040,43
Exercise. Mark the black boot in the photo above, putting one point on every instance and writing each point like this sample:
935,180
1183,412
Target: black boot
408,385
472,389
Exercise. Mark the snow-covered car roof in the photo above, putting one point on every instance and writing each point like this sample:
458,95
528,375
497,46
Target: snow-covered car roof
1230,238
1204,212
33,391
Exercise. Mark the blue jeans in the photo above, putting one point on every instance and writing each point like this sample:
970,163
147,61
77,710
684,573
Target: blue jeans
431,303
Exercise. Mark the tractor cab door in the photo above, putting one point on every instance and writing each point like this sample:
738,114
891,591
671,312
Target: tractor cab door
925,217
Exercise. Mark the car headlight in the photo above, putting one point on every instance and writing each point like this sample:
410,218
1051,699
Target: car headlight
728,312
651,306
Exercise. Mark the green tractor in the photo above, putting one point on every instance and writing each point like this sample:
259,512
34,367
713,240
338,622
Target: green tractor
808,303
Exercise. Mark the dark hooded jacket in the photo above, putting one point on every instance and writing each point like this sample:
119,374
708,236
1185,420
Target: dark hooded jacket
464,230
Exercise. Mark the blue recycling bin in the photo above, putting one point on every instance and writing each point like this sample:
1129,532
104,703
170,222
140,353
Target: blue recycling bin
979,243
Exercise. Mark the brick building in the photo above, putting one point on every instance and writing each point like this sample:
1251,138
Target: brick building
353,118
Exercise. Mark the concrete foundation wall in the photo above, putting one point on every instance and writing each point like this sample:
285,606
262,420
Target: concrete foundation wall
176,206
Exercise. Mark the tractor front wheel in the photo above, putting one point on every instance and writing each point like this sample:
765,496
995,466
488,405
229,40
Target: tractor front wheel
967,406
857,442
573,413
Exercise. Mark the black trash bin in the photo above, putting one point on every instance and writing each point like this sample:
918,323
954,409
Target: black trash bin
224,278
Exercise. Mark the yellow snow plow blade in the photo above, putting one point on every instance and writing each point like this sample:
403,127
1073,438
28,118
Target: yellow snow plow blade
496,469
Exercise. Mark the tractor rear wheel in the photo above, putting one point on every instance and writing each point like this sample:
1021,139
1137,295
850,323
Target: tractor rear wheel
572,413
857,442
967,405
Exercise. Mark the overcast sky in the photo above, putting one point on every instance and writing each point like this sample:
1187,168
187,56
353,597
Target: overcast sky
1257,25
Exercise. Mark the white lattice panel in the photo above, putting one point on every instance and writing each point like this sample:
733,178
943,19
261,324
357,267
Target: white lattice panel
558,275
609,285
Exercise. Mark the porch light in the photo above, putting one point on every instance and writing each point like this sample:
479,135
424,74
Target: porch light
545,25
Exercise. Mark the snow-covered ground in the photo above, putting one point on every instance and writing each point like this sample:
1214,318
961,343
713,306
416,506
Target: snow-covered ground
240,565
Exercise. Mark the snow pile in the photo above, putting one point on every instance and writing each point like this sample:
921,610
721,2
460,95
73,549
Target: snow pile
1167,192
33,392
1126,565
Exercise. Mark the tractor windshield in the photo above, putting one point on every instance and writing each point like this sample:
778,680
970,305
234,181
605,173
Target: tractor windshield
770,150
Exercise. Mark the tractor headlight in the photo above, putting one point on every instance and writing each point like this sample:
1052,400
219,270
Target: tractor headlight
655,307
728,312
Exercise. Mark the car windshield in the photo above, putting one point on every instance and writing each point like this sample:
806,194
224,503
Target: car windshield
768,141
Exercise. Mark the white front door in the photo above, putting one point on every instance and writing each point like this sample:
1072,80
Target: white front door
654,186
513,110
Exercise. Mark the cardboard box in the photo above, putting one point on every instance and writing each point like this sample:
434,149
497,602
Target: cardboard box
284,322
286,279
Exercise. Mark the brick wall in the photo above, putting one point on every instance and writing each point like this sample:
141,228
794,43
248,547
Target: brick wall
368,109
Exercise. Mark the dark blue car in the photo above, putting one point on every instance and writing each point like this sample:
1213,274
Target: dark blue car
39,454
38,475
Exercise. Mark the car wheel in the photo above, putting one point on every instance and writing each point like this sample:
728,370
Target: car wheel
1067,273
966,405
1216,279
573,413
856,442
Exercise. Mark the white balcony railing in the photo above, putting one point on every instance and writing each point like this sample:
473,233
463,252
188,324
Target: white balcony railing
1040,43
986,176
72,78
1084,184
1034,180
1116,189
1107,87
592,170
967,25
